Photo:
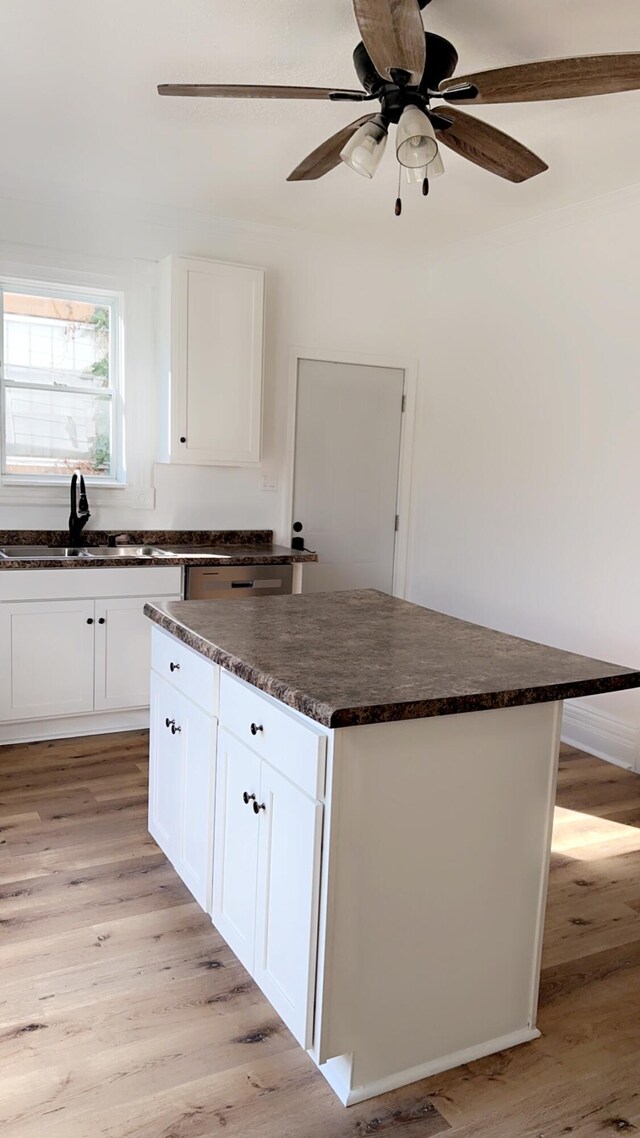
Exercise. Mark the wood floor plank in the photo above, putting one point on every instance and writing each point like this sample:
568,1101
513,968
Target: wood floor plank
123,1014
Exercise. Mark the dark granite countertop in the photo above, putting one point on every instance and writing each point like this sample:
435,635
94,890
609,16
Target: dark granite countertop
364,657
226,547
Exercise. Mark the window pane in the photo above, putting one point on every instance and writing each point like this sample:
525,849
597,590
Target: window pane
60,343
56,432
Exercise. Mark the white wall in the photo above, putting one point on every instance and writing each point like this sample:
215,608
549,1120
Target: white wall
527,479
321,294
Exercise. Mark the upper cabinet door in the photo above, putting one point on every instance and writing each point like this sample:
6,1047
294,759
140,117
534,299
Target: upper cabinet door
211,336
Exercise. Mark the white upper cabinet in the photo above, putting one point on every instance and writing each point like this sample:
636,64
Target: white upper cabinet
211,332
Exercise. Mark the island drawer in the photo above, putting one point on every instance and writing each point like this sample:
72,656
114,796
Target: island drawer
293,747
187,671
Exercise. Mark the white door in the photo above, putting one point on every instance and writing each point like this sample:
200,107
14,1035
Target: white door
347,456
235,854
181,785
46,658
123,653
166,762
287,900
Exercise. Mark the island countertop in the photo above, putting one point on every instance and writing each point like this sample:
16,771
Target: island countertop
361,656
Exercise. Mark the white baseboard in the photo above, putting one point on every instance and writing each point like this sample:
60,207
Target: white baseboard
601,735
73,726
337,1071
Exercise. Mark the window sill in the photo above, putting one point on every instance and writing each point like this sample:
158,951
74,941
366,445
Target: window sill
23,492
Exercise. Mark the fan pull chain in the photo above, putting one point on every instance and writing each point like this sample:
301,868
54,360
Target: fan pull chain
399,199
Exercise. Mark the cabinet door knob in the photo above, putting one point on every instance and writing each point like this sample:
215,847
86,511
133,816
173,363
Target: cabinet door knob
89,620
182,439
174,667
175,730
258,806
255,727
169,722
246,798
101,620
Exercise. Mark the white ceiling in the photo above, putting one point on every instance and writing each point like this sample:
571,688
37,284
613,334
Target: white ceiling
80,112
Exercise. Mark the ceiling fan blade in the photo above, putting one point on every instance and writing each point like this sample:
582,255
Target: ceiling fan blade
393,34
326,156
241,91
488,147
554,79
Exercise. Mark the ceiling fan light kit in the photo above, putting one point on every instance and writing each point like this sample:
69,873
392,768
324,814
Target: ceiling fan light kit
363,152
404,68
416,144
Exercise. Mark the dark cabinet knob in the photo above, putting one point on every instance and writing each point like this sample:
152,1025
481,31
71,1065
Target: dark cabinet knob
175,730
101,620
255,727
183,439
174,667
247,798
297,527
258,806
168,722
89,620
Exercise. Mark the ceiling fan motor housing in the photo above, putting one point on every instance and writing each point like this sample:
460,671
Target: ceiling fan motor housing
442,59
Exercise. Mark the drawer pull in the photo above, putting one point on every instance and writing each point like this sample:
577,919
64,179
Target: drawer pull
247,798
255,727
258,806
174,667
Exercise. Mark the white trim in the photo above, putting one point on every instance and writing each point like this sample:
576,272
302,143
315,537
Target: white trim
403,508
337,1071
601,735
73,726
544,879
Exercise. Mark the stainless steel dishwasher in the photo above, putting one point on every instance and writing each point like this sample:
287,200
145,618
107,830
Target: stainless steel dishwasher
237,582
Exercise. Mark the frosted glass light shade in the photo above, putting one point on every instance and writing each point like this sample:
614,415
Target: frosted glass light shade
363,152
435,169
416,144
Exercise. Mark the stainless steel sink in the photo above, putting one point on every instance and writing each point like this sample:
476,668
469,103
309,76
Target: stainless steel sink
106,552
42,553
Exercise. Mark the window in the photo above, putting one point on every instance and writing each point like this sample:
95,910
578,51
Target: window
60,384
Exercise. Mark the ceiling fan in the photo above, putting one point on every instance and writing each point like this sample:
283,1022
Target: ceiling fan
404,68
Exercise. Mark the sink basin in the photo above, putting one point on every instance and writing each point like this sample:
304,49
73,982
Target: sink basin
107,552
42,553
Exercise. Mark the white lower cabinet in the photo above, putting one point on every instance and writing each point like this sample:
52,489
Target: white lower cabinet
76,641
181,785
46,659
123,653
266,879
244,816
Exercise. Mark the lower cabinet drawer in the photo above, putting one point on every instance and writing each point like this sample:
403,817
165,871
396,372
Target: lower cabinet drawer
192,674
294,748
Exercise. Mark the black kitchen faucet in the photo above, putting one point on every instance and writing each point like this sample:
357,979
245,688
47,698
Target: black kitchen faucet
80,514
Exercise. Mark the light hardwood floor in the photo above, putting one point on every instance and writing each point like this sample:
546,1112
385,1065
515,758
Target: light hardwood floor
124,1015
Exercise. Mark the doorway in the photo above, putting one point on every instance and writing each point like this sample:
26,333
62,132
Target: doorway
348,455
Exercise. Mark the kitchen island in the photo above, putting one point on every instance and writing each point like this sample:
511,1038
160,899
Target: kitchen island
360,792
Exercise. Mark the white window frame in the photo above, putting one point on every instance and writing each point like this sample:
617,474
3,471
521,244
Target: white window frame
90,295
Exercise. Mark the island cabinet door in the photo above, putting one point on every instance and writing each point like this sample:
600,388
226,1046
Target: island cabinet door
287,900
235,855
181,786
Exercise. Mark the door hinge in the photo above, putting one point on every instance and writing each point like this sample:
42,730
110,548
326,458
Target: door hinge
397,523
404,404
